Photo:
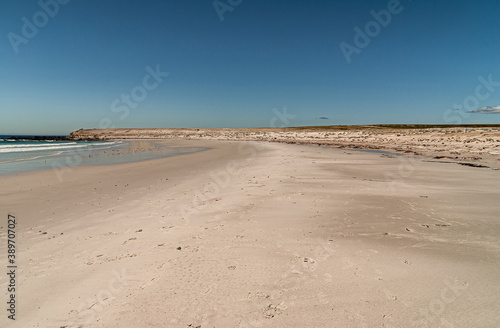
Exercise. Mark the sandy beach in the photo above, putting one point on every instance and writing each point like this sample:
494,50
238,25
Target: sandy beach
250,164
259,234
449,143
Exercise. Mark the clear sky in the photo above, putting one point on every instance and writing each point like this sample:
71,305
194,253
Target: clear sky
236,63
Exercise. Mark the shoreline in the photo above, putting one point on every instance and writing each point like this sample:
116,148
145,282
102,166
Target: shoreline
473,144
257,234
128,151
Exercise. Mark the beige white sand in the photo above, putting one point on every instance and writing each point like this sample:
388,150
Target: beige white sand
472,143
255,234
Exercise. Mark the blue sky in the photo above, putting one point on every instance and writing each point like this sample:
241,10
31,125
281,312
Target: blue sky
429,59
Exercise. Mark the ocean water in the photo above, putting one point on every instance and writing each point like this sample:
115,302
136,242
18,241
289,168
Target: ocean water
30,155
